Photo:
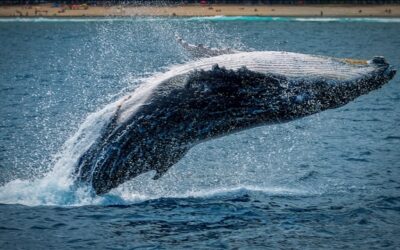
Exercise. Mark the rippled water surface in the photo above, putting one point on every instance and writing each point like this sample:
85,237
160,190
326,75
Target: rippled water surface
331,180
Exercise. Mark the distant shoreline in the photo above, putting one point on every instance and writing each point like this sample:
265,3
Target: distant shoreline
207,10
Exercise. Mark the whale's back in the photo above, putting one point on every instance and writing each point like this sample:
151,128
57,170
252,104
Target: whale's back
287,64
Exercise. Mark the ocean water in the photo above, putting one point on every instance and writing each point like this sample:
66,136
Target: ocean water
331,180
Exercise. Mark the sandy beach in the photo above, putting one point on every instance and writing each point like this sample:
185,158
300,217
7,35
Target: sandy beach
206,10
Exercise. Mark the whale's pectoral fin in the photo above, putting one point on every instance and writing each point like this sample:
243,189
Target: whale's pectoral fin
199,51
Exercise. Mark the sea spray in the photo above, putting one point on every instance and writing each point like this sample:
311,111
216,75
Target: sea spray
56,187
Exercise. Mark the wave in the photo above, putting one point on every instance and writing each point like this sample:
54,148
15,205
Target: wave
213,18
298,19
80,19
350,19
40,193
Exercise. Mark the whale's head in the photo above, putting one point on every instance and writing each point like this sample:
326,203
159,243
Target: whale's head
236,99
310,95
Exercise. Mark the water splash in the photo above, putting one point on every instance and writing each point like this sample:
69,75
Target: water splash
190,177
57,186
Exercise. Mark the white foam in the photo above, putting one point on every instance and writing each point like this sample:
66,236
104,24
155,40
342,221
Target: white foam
213,18
206,193
123,195
55,192
55,20
348,19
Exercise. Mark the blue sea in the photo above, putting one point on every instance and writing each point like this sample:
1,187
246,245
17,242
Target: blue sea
328,181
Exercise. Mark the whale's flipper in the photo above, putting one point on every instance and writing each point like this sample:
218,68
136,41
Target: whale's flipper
200,51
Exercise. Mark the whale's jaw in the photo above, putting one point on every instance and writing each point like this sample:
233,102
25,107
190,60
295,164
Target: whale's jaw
342,93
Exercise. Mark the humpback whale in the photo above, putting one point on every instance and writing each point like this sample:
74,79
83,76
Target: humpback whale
159,122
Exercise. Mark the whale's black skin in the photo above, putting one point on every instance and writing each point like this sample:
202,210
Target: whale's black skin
202,104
